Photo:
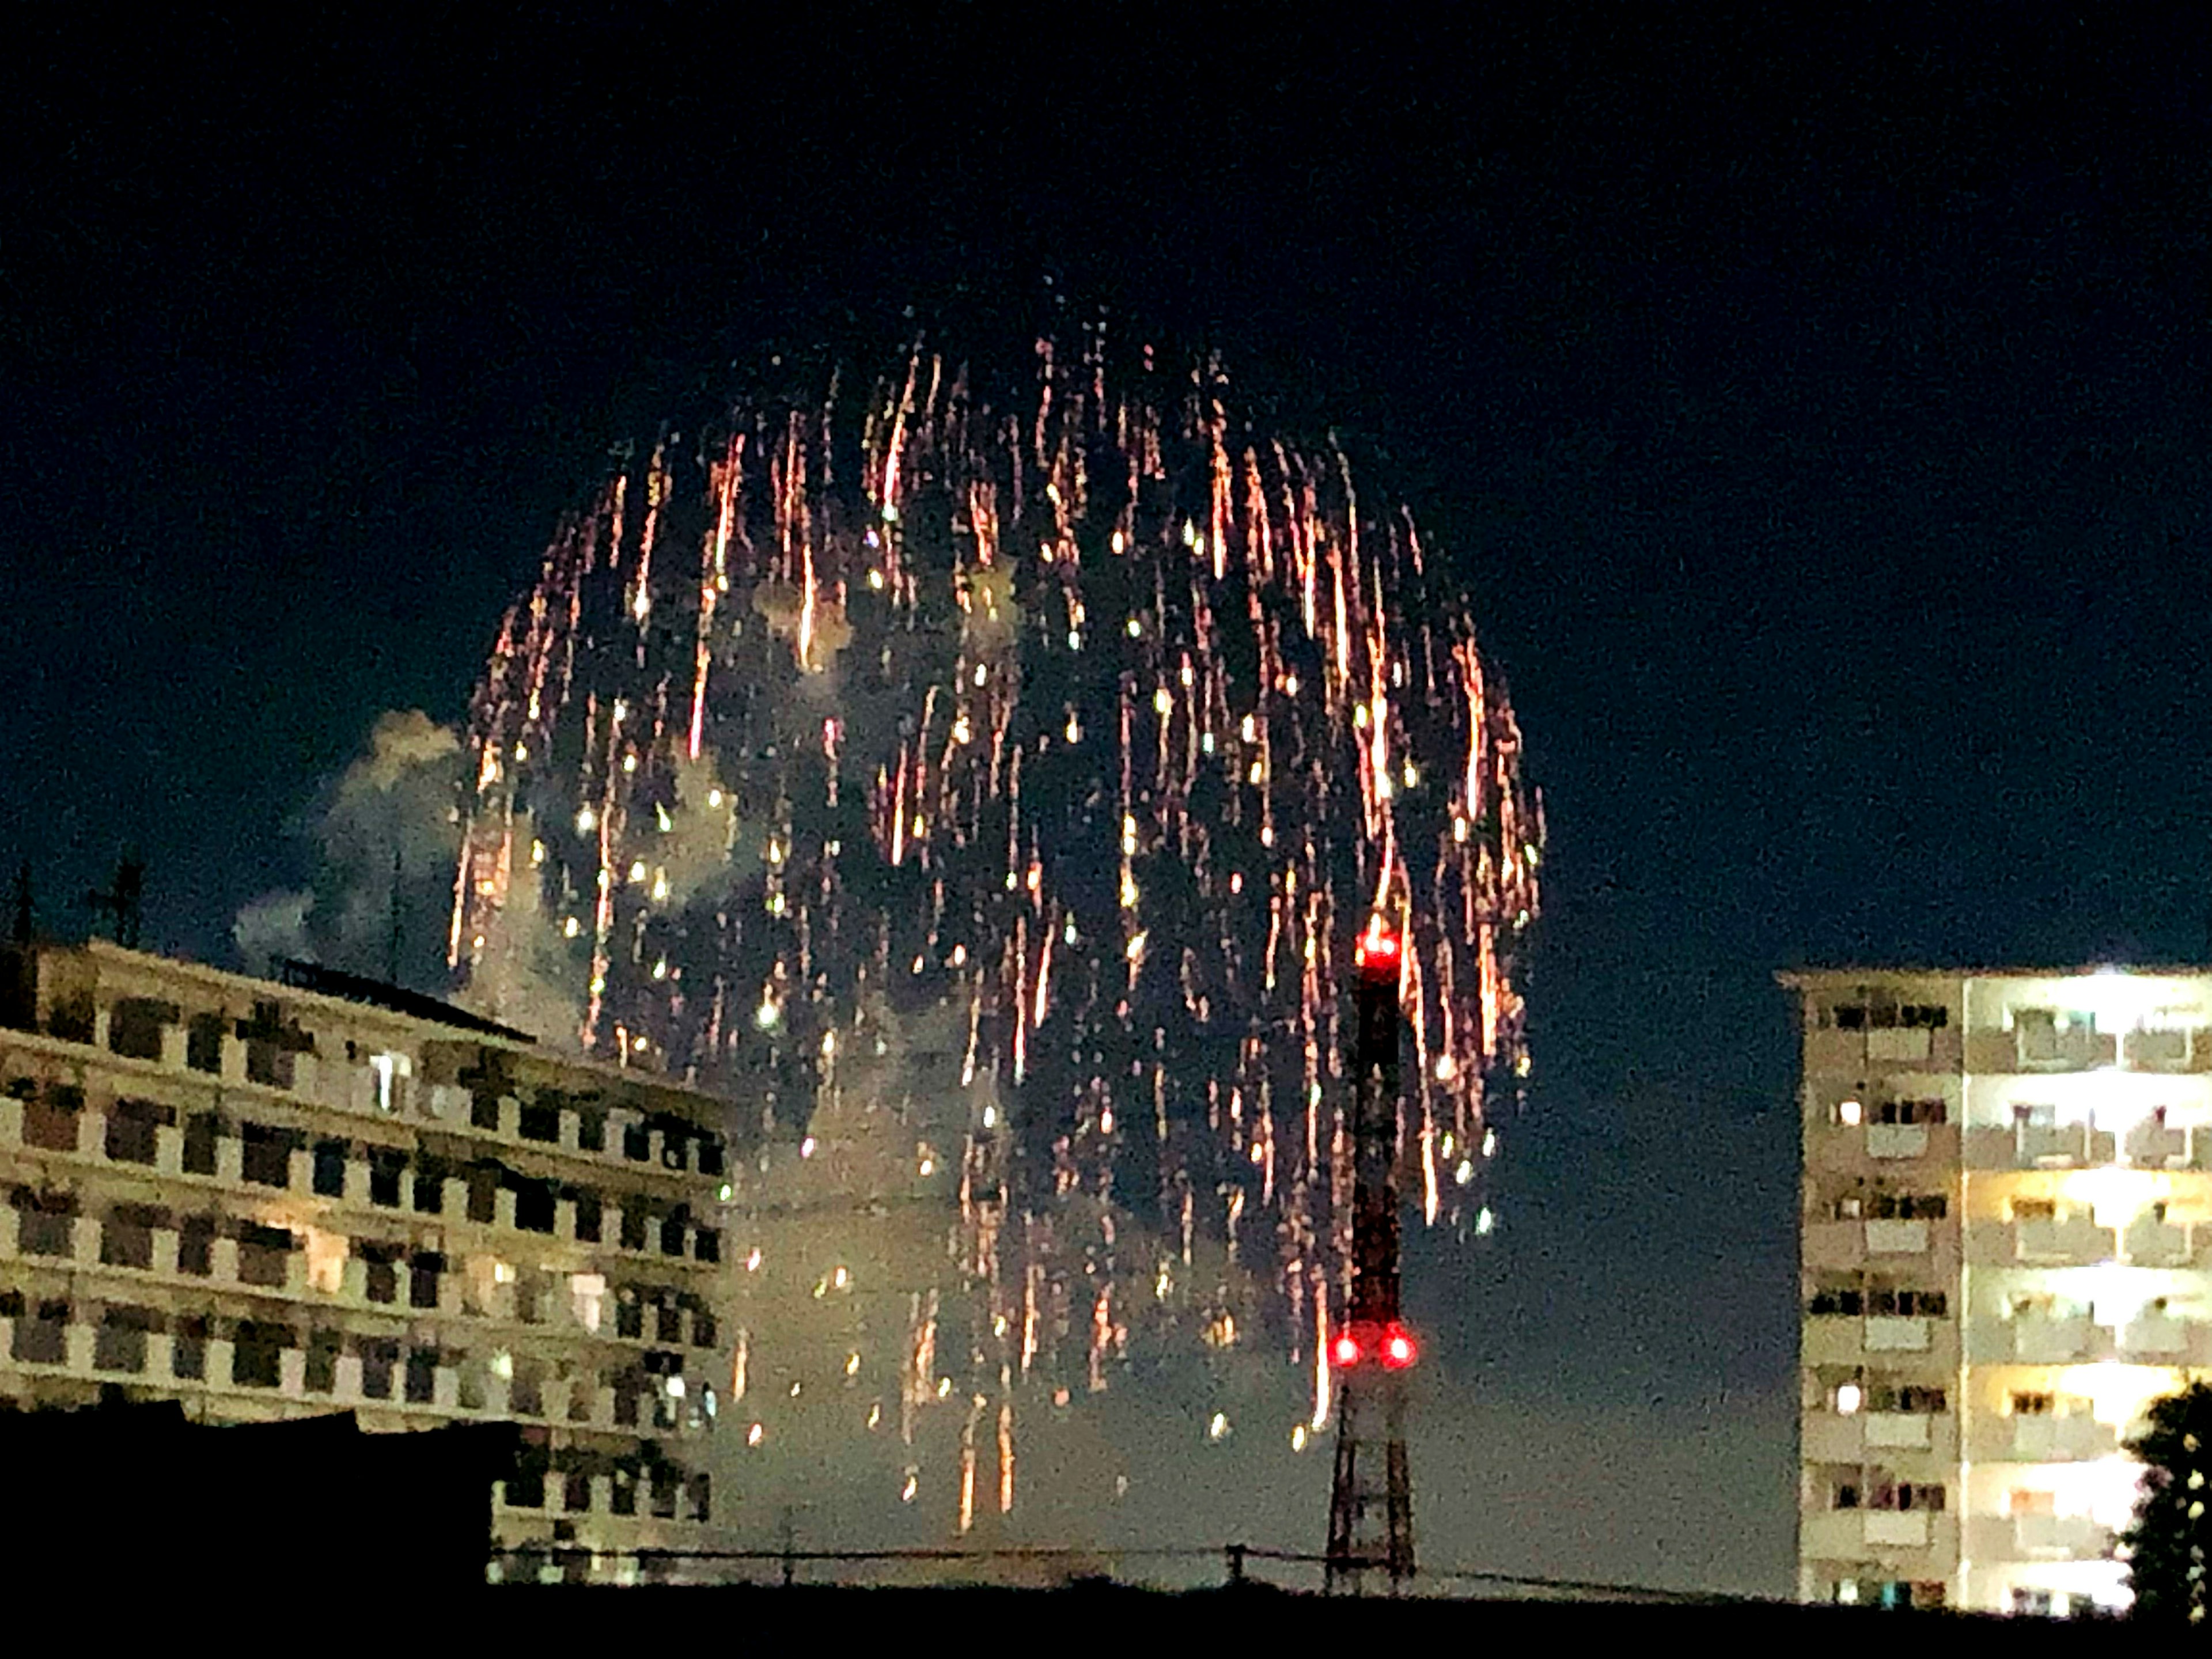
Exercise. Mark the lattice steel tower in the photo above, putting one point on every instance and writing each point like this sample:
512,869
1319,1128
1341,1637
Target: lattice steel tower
1371,1508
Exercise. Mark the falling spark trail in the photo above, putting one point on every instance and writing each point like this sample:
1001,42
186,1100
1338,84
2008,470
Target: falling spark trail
1079,713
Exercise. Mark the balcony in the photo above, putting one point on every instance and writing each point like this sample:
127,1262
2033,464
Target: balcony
2073,1241
2052,1143
2160,1051
1897,1528
2038,1340
1887,1333
1896,1237
1899,1430
2060,1439
1897,1139
2151,1243
2068,1537
2152,1146
2159,1338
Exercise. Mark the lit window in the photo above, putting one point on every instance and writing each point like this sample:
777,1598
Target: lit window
1849,1114
1849,1398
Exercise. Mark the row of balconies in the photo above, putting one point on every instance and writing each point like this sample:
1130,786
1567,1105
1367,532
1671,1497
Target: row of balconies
2026,1048
628,1143
2152,1338
2077,1241
1851,1535
2149,1145
648,1234
215,1370
345,1282
1832,1437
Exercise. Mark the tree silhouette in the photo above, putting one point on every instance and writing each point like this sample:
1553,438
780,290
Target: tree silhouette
2170,1543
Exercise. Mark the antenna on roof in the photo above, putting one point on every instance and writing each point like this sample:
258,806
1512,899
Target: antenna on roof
392,941
124,900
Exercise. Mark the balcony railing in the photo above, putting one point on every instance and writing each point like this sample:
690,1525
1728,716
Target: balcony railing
1896,1140
2061,1439
2152,1146
1896,1237
1888,1333
2074,1537
2040,1340
2151,1243
2076,1241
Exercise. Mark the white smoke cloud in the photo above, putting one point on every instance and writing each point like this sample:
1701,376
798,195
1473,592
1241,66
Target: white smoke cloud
385,835
272,925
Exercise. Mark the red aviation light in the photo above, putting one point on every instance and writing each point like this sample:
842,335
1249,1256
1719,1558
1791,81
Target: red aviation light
1344,1351
1399,1350
1378,951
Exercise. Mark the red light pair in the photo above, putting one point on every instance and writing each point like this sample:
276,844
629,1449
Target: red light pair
1393,1346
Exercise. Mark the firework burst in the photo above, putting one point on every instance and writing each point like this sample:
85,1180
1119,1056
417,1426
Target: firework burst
1085,730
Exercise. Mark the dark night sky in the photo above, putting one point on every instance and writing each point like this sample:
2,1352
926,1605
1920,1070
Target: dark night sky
1818,408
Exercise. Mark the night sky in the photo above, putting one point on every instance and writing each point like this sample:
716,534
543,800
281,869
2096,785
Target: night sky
1816,408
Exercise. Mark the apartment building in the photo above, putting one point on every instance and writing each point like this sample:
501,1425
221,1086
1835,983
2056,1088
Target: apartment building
2007,1252
275,1199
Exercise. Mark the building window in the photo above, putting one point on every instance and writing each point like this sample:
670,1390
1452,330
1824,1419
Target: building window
621,1496
1910,1111
629,1314
330,1169
423,1271
266,1155
526,1486
484,1110
385,1165
2032,1405
421,1376
379,1358
1845,1496
591,1131
135,1026
587,1217
195,1246
672,1229
256,1357
668,1323
703,1328
710,1156
1908,1206
126,1238
534,1207
429,1186
322,1370
540,1122
50,1118
526,1393
628,1386
45,1224
483,1194
703,1497
120,1344
262,1252
664,1493
637,1143
201,1130
130,1130
382,1274
42,1333
204,1042
188,1350
708,1244
576,1490
633,1226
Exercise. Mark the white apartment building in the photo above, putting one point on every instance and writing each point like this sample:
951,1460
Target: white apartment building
271,1200
2007,1252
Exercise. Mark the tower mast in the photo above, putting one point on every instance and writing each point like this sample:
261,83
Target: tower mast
1371,1509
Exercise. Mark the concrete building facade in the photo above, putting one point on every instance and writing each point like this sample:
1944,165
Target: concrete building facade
2007,1253
273,1200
